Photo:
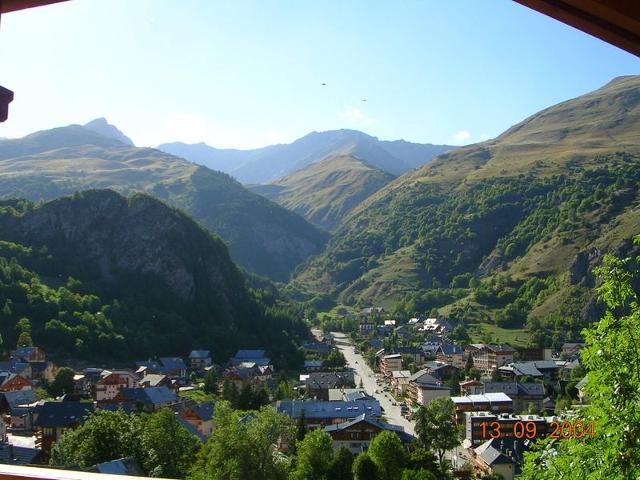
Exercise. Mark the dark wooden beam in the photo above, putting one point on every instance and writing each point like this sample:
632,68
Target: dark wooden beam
7,6
614,21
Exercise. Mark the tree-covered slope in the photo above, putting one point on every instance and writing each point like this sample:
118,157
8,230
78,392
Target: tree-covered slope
538,202
262,236
103,276
326,191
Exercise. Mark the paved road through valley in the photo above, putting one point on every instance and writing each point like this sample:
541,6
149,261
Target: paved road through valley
362,372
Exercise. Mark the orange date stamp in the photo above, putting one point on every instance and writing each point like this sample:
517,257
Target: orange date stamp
574,429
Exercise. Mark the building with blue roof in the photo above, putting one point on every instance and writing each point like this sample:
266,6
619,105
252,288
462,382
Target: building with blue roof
356,434
327,412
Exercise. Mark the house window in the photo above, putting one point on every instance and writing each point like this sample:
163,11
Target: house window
48,431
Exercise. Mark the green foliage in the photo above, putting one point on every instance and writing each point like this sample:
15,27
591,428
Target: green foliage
364,468
53,292
334,361
314,457
169,449
342,465
388,453
160,445
436,428
63,383
243,448
210,382
612,361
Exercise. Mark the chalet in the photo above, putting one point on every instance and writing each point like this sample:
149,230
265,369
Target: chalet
400,380
320,413
318,384
148,400
17,367
348,394
498,456
247,373
547,369
522,394
488,358
442,371
43,371
199,359
429,350
390,363
321,349
488,402
16,455
436,327
16,398
572,349
53,419
198,415
451,354
173,367
312,365
253,356
471,387
29,354
10,382
415,353
108,387
155,380
356,434
422,388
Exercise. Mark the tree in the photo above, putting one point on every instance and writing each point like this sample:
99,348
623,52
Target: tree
241,447
23,326
364,468
63,383
315,456
388,453
230,393
342,464
421,474
436,428
210,382
24,340
612,360
104,436
334,361
169,448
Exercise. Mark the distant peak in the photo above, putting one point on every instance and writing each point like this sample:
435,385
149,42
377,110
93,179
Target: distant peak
103,127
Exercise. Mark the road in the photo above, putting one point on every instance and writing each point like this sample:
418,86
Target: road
363,372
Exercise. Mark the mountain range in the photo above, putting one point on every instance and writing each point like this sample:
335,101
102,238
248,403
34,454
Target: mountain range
326,191
262,236
539,203
264,165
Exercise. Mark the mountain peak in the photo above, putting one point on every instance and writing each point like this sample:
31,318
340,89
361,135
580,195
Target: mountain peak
101,126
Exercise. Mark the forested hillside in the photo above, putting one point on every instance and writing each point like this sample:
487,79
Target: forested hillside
262,236
326,191
505,231
102,276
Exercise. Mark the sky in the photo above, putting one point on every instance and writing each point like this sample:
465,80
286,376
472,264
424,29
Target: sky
244,73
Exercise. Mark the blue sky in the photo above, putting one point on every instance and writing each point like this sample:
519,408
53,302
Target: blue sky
248,73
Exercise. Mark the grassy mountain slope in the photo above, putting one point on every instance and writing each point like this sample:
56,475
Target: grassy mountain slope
104,276
264,165
262,236
326,191
519,214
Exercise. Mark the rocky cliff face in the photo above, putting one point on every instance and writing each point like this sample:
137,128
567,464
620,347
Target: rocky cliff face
112,234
